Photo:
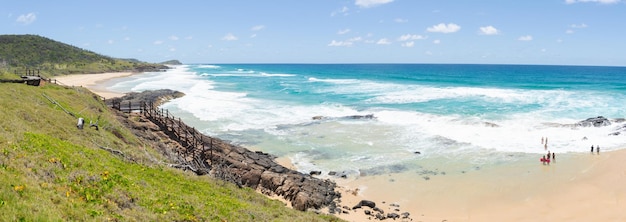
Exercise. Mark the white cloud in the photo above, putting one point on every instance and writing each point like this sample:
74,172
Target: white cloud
340,43
355,39
593,1
126,38
229,37
371,3
253,36
489,30
443,28
525,38
579,26
158,42
110,42
436,41
189,37
172,49
174,38
400,20
411,37
344,31
569,31
408,44
27,18
257,28
343,11
383,41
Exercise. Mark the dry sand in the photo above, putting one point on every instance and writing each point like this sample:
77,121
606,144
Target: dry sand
578,187
91,81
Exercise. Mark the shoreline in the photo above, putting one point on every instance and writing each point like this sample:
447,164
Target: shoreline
578,187
93,82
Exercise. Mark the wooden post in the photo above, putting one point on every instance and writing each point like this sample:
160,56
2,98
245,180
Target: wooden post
195,141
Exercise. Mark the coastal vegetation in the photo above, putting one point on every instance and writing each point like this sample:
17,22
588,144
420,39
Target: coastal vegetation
19,53
52,171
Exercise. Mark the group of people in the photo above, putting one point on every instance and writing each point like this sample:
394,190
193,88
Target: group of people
546,158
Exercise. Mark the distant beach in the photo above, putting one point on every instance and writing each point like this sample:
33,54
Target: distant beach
578,186
92,82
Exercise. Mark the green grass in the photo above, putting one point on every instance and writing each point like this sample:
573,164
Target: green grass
51,171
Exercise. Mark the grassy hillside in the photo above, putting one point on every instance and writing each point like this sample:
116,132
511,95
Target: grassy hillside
21,52
52,171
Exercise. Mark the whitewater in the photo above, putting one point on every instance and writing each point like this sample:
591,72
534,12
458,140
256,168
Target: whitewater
452,117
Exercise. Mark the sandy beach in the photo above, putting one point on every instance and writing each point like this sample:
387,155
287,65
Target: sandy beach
91,81
577,187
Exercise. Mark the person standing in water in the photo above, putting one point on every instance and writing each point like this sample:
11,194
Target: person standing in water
591,148
598,149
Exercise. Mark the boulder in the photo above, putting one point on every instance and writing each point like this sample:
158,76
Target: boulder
366,203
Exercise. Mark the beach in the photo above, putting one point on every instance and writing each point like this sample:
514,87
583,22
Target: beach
91,81
578,186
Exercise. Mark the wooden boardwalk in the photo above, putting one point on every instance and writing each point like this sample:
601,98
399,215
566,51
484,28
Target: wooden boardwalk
195,143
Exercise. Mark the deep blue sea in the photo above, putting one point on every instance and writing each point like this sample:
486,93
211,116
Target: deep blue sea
465,115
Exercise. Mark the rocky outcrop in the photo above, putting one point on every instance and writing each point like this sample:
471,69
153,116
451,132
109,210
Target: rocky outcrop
353,117
259,171
595,122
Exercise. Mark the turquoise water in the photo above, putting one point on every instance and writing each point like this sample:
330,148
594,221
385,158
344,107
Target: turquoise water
462,115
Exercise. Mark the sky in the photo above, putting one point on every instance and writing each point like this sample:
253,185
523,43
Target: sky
555,32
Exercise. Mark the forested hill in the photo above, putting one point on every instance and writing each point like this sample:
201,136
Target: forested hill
50,57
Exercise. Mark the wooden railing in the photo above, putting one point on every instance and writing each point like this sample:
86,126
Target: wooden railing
195,143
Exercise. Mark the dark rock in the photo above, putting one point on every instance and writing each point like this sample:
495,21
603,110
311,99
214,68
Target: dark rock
595,122
380,216
367,203
379,210
393,216
367,212
332,173
368,116
313,173
405,215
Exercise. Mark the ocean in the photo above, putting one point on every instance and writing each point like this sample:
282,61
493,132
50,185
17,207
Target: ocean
371,119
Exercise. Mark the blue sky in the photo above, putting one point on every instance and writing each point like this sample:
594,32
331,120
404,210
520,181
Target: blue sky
565,32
